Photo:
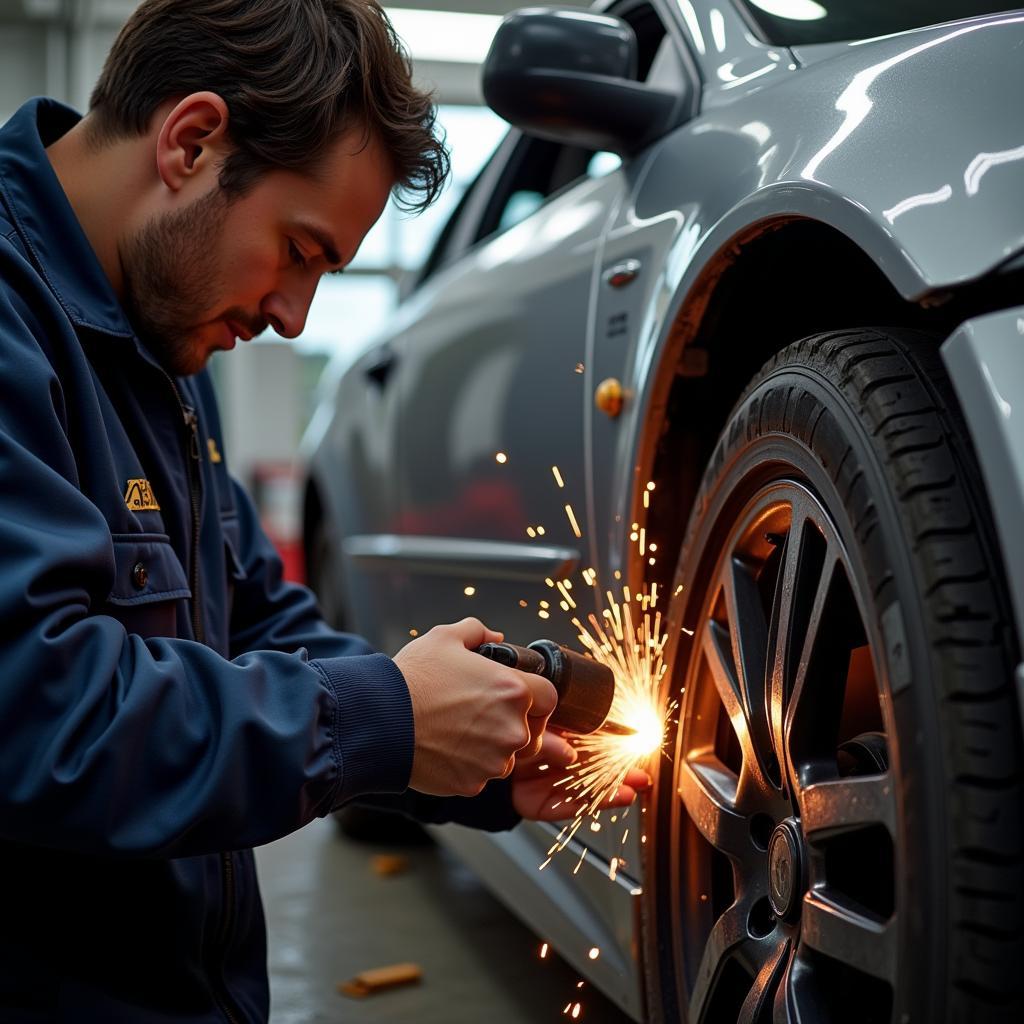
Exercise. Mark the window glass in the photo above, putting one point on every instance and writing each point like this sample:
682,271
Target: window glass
519,206
796,22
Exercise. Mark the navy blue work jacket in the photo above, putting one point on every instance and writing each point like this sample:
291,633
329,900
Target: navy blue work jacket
166,700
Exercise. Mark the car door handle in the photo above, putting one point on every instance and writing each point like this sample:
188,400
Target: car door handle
382,362
622,273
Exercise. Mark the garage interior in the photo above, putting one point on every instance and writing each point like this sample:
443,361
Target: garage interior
330,915
747,338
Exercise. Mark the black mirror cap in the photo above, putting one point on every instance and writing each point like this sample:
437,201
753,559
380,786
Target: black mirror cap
570,76
563,39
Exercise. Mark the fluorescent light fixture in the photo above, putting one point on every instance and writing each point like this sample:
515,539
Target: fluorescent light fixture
794,10
445,35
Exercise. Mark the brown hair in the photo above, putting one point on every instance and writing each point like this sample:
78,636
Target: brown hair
295,75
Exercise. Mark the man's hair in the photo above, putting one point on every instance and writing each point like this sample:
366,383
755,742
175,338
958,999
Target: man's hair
295,75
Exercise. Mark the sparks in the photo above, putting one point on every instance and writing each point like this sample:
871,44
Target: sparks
572,520
628,635
594,953
543,951
631,642
469,591
501,458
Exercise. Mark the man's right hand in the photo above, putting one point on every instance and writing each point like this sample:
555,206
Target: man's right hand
471,714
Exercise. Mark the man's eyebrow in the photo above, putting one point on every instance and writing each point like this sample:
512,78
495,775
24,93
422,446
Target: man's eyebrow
324,240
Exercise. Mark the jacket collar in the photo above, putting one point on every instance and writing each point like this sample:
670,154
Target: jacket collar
46,222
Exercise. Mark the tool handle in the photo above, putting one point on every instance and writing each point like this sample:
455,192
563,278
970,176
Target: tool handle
514,656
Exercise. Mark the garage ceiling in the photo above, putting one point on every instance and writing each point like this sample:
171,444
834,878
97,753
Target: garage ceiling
63,42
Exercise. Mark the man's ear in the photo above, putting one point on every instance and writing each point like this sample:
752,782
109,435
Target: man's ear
192,140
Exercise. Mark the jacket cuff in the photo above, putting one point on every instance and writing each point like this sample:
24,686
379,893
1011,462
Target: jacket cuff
372,735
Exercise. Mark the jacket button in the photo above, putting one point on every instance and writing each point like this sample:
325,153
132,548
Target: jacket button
140,575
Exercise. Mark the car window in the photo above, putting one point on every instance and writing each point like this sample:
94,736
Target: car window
524,201
443,248
800,22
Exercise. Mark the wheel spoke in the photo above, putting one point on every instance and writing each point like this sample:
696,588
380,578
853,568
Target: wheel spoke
815,705
795,591
748,631
860,940
708,791
794,998
765,985
728,934
840,805
719,658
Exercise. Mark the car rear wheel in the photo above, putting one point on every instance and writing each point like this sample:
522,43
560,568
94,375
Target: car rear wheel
839,831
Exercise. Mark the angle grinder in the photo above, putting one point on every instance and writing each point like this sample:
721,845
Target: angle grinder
585,687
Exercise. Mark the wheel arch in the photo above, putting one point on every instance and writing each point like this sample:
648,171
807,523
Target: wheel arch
727,324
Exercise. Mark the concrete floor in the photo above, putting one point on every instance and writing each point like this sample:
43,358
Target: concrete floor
330,916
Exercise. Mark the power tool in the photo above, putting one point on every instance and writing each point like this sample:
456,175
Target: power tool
585,687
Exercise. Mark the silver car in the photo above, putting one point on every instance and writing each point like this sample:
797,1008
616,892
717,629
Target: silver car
746,254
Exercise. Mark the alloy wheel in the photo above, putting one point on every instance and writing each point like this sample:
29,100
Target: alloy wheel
784,824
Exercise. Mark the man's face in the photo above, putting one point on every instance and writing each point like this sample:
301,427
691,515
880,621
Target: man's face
199,277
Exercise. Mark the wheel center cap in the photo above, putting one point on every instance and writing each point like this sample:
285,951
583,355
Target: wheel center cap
785,869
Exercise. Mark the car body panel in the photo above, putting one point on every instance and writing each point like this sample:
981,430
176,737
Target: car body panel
985,360
496,341
573,912
758,161
900,144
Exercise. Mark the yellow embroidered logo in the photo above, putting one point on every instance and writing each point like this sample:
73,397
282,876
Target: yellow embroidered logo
211,446
139,497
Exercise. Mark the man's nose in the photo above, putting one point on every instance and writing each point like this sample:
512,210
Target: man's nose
286,312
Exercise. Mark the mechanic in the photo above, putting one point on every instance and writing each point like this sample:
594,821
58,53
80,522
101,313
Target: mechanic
167,701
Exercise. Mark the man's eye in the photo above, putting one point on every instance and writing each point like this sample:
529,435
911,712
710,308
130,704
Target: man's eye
296,256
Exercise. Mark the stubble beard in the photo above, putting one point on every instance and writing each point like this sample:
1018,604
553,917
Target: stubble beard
171,279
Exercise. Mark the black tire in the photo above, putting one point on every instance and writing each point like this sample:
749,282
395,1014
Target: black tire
867,655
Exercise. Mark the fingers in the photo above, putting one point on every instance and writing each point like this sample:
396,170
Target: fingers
472,632
557,751
543,695
638,779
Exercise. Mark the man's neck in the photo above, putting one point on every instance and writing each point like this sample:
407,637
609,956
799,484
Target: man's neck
94,181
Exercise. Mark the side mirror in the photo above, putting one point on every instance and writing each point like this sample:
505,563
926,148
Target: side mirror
570,76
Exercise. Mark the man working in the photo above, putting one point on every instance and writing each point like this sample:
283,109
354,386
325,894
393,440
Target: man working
166,700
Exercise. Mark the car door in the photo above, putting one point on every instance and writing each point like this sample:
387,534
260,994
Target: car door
352,465
491,400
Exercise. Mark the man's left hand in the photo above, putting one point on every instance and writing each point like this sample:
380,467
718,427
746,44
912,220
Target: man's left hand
535,795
